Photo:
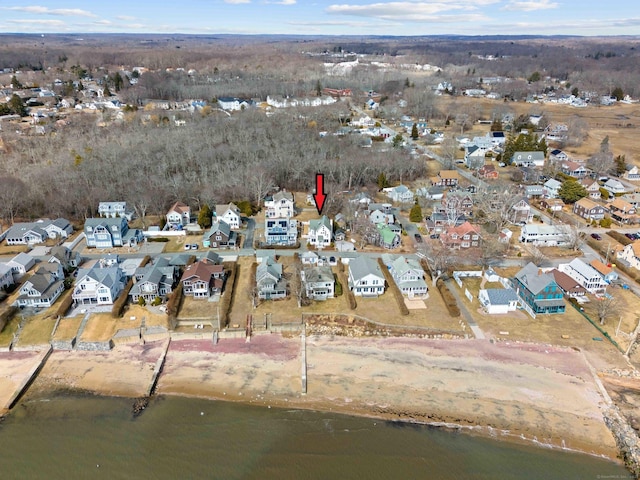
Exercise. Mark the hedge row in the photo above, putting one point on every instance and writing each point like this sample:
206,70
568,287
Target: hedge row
619,237
350,296
145,261
229,292
64,305
449,299
394,288
121,301
6,316
338,287
157,239
173,305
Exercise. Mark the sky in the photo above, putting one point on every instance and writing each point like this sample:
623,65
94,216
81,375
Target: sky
358,17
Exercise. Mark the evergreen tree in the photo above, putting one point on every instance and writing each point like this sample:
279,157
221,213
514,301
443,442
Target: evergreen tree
571,191
398,140
617,93
620,165
17,106
575,92
118,82
414,132
496,125
15,83
382,181
318,88
204,217
415,214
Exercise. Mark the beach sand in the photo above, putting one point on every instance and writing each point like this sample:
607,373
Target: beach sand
521,392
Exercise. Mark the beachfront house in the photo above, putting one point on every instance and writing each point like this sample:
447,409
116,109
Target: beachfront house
538,291
270,283
98,285
407,274
319,282
202,279
365,277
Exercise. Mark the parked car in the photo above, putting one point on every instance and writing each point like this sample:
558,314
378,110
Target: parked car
418,237
434,236
194,246
630,236
187,246
596,236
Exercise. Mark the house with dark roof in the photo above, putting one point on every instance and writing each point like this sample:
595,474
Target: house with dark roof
585,275
202,279
622,211
153,281
6,276
220,235
230,214
32,233
538,291
498,300
588,209
592,187
569,286
110,232
461,237
41,290
65,256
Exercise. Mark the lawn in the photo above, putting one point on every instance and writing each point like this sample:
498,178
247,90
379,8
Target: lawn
37,330
67,328
151,318
6,336
101,327
197,309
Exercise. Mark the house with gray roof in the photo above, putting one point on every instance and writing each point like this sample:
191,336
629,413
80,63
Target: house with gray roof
21,264
270,283
114,210
407,274
538,291
498,300
41,290
319,282
400,194
6,276
280,205
230,214
98,285
551,188
320,232
220,235
280,231
528,159
110,232
583,273
365,277
32,233
65,257
153,281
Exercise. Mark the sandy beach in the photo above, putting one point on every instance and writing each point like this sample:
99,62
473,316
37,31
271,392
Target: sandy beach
521,392
515,391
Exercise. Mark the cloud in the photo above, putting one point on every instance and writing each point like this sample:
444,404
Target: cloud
67,12
564,26
126,18
284,2
234,2
345,23
530,5
414,11
51,23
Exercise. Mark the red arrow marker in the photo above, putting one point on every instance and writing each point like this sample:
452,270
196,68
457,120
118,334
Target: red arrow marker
319,197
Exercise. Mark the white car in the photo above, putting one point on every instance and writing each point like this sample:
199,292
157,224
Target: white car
187,246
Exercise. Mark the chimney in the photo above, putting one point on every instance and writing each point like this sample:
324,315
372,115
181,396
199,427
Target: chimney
539,271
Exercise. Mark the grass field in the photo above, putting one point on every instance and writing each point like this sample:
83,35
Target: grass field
100,328
67,328
6,336
37,330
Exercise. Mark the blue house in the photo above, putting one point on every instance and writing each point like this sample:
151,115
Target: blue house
538,291
280,231
110,232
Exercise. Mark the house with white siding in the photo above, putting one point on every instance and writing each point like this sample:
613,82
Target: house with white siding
365,277
587,276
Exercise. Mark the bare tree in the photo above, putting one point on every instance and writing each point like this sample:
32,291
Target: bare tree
12,195
452,207
602,162
577,131
439,258
607,306
498,206
296,283
448,152
573,236
537,256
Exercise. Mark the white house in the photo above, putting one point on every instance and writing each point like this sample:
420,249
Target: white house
587,276
179,215
280,205
230,214
631,254
543,235
319,282
98,285
407,274
614,187
114,209
42,289
528,159
474,156
365,277
38,232
498,300
21,264
6,276
551,188
320,232
400,194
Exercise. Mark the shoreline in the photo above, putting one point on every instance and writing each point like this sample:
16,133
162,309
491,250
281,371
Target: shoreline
527,394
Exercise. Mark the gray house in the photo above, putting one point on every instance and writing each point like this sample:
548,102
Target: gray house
38,232
528,159
319,282
153,281
269,281
110,232
408,275
220,235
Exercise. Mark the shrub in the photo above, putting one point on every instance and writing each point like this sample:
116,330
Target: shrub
121,301
63,306
141,301
606,222
156,301
229,292
173,305
449,299
157,239
394,288
619,237
338,287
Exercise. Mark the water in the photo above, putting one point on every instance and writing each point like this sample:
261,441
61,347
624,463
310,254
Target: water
178,438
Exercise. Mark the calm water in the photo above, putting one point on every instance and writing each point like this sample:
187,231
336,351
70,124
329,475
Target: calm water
176,438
